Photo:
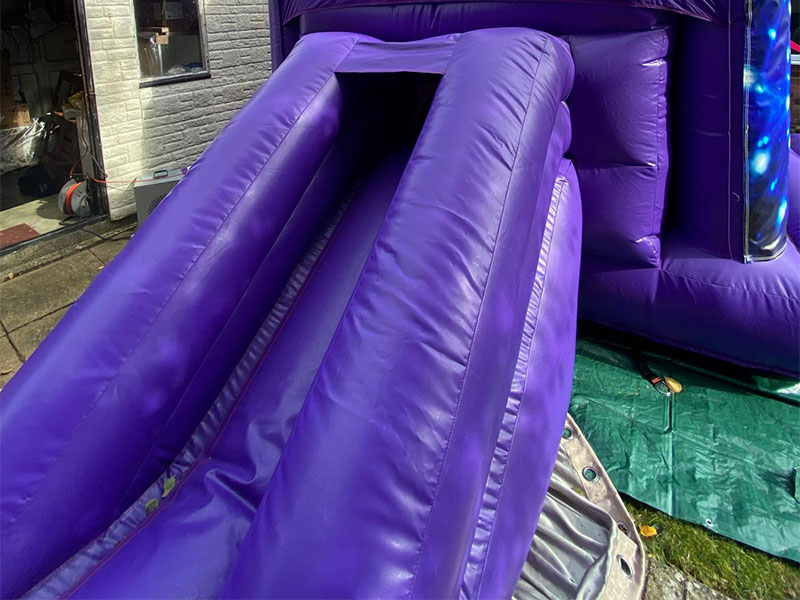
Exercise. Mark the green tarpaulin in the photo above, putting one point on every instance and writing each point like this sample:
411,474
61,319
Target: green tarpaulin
724,453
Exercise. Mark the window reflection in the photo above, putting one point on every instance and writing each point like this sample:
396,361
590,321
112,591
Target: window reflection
169,38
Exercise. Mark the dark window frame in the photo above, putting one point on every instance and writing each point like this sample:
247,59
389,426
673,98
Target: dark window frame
204,73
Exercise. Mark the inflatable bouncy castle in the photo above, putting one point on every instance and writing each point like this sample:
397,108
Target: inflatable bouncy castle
336,361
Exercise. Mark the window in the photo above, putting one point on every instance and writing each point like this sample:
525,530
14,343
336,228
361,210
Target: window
171,40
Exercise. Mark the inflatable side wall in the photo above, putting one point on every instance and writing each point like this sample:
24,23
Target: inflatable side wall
325,370
680,142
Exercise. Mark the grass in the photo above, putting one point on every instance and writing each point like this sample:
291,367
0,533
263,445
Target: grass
727,566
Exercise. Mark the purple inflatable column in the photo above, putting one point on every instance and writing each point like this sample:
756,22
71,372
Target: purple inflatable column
88,421
377,490
537,405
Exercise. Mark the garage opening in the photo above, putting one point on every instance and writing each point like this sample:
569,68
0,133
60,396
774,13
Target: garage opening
46,133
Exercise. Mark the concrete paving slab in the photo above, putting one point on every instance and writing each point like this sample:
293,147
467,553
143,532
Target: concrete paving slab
698,591
28,337
112,229
663,582
42,215
125,234
9,361
108,250
44,251
29,297
4,379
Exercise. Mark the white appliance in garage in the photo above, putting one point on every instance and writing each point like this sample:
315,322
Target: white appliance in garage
149,190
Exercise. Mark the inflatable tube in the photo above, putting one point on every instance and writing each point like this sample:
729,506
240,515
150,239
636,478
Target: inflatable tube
536,406
347,311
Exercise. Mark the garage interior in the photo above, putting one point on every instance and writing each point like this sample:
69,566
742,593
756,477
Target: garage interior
45,139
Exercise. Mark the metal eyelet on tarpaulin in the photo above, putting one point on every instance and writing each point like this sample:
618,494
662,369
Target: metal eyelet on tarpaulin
580,503
766,128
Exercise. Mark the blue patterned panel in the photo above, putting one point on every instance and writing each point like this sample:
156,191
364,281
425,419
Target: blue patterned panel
766,87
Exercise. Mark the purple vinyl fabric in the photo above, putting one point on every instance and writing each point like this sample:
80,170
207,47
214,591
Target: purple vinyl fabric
705,106
793,216
707,156
211,511
747,313
404,22
666,122
619,142
331,357
446,318
536,407
713,65
129,355
419,281
709,10
618,103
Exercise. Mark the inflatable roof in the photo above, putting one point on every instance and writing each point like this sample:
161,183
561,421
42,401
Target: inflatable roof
343,368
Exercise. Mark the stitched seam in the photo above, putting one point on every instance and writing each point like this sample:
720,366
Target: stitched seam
546,254
658,139
727,287
286,20
166,302
745,190
475,326
210,444
216,339
203,455
695,348
301,413
213,439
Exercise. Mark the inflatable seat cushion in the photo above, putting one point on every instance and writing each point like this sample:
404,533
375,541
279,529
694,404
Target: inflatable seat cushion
619,141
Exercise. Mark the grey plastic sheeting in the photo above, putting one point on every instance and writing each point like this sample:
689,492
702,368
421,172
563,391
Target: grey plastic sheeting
20,146
586,545
724,453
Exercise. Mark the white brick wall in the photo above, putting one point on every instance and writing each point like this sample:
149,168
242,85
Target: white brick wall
168,126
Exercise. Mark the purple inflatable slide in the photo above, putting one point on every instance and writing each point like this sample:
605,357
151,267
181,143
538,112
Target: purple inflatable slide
342,369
